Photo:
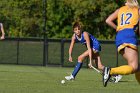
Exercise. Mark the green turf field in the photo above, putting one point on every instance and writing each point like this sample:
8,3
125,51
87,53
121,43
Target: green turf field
38,79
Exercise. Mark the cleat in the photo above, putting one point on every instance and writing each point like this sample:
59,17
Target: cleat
69,77
112,79
106,76
117,78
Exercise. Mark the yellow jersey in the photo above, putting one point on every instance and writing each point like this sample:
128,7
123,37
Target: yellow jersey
127,17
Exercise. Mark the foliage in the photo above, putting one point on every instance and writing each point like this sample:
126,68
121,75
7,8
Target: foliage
24,18
21,17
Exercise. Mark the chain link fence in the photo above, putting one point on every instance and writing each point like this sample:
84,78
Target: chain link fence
30,51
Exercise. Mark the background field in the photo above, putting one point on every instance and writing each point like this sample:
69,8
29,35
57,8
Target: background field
38,79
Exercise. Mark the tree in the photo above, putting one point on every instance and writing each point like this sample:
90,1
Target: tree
24,17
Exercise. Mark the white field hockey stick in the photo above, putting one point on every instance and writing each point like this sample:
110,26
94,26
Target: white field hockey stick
97,70
100,73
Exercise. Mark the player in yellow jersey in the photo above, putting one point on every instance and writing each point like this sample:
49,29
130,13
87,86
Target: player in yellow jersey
126,39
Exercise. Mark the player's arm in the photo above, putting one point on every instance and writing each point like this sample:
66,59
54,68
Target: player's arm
86,36
111,18
71,48
2,31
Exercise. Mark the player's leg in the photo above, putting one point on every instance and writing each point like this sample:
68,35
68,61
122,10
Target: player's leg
78,65
131,56
98,62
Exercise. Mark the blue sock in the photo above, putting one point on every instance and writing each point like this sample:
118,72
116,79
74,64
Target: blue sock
77,68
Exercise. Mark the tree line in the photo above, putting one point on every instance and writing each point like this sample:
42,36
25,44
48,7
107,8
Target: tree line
24,18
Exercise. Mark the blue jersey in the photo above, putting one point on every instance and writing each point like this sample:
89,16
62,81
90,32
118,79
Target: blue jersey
94,43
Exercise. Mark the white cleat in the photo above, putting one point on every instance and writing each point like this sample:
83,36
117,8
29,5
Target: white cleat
69,77
117,78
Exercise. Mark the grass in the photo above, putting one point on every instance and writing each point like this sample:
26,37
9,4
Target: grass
38,79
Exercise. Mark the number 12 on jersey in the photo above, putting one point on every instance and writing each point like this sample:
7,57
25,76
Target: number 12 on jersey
125,18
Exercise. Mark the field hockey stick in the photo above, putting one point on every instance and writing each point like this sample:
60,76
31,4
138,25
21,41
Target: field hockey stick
100,73
97,70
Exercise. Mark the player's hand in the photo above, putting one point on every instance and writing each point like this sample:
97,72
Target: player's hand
70,59
90,65
2,37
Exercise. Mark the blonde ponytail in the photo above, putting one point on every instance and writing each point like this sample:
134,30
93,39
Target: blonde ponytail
133,3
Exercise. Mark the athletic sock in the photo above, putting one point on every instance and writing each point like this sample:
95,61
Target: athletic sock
122,70
77,68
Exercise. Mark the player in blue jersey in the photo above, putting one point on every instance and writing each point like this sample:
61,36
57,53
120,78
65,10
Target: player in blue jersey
93,49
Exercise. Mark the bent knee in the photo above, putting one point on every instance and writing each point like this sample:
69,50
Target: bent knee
80,59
